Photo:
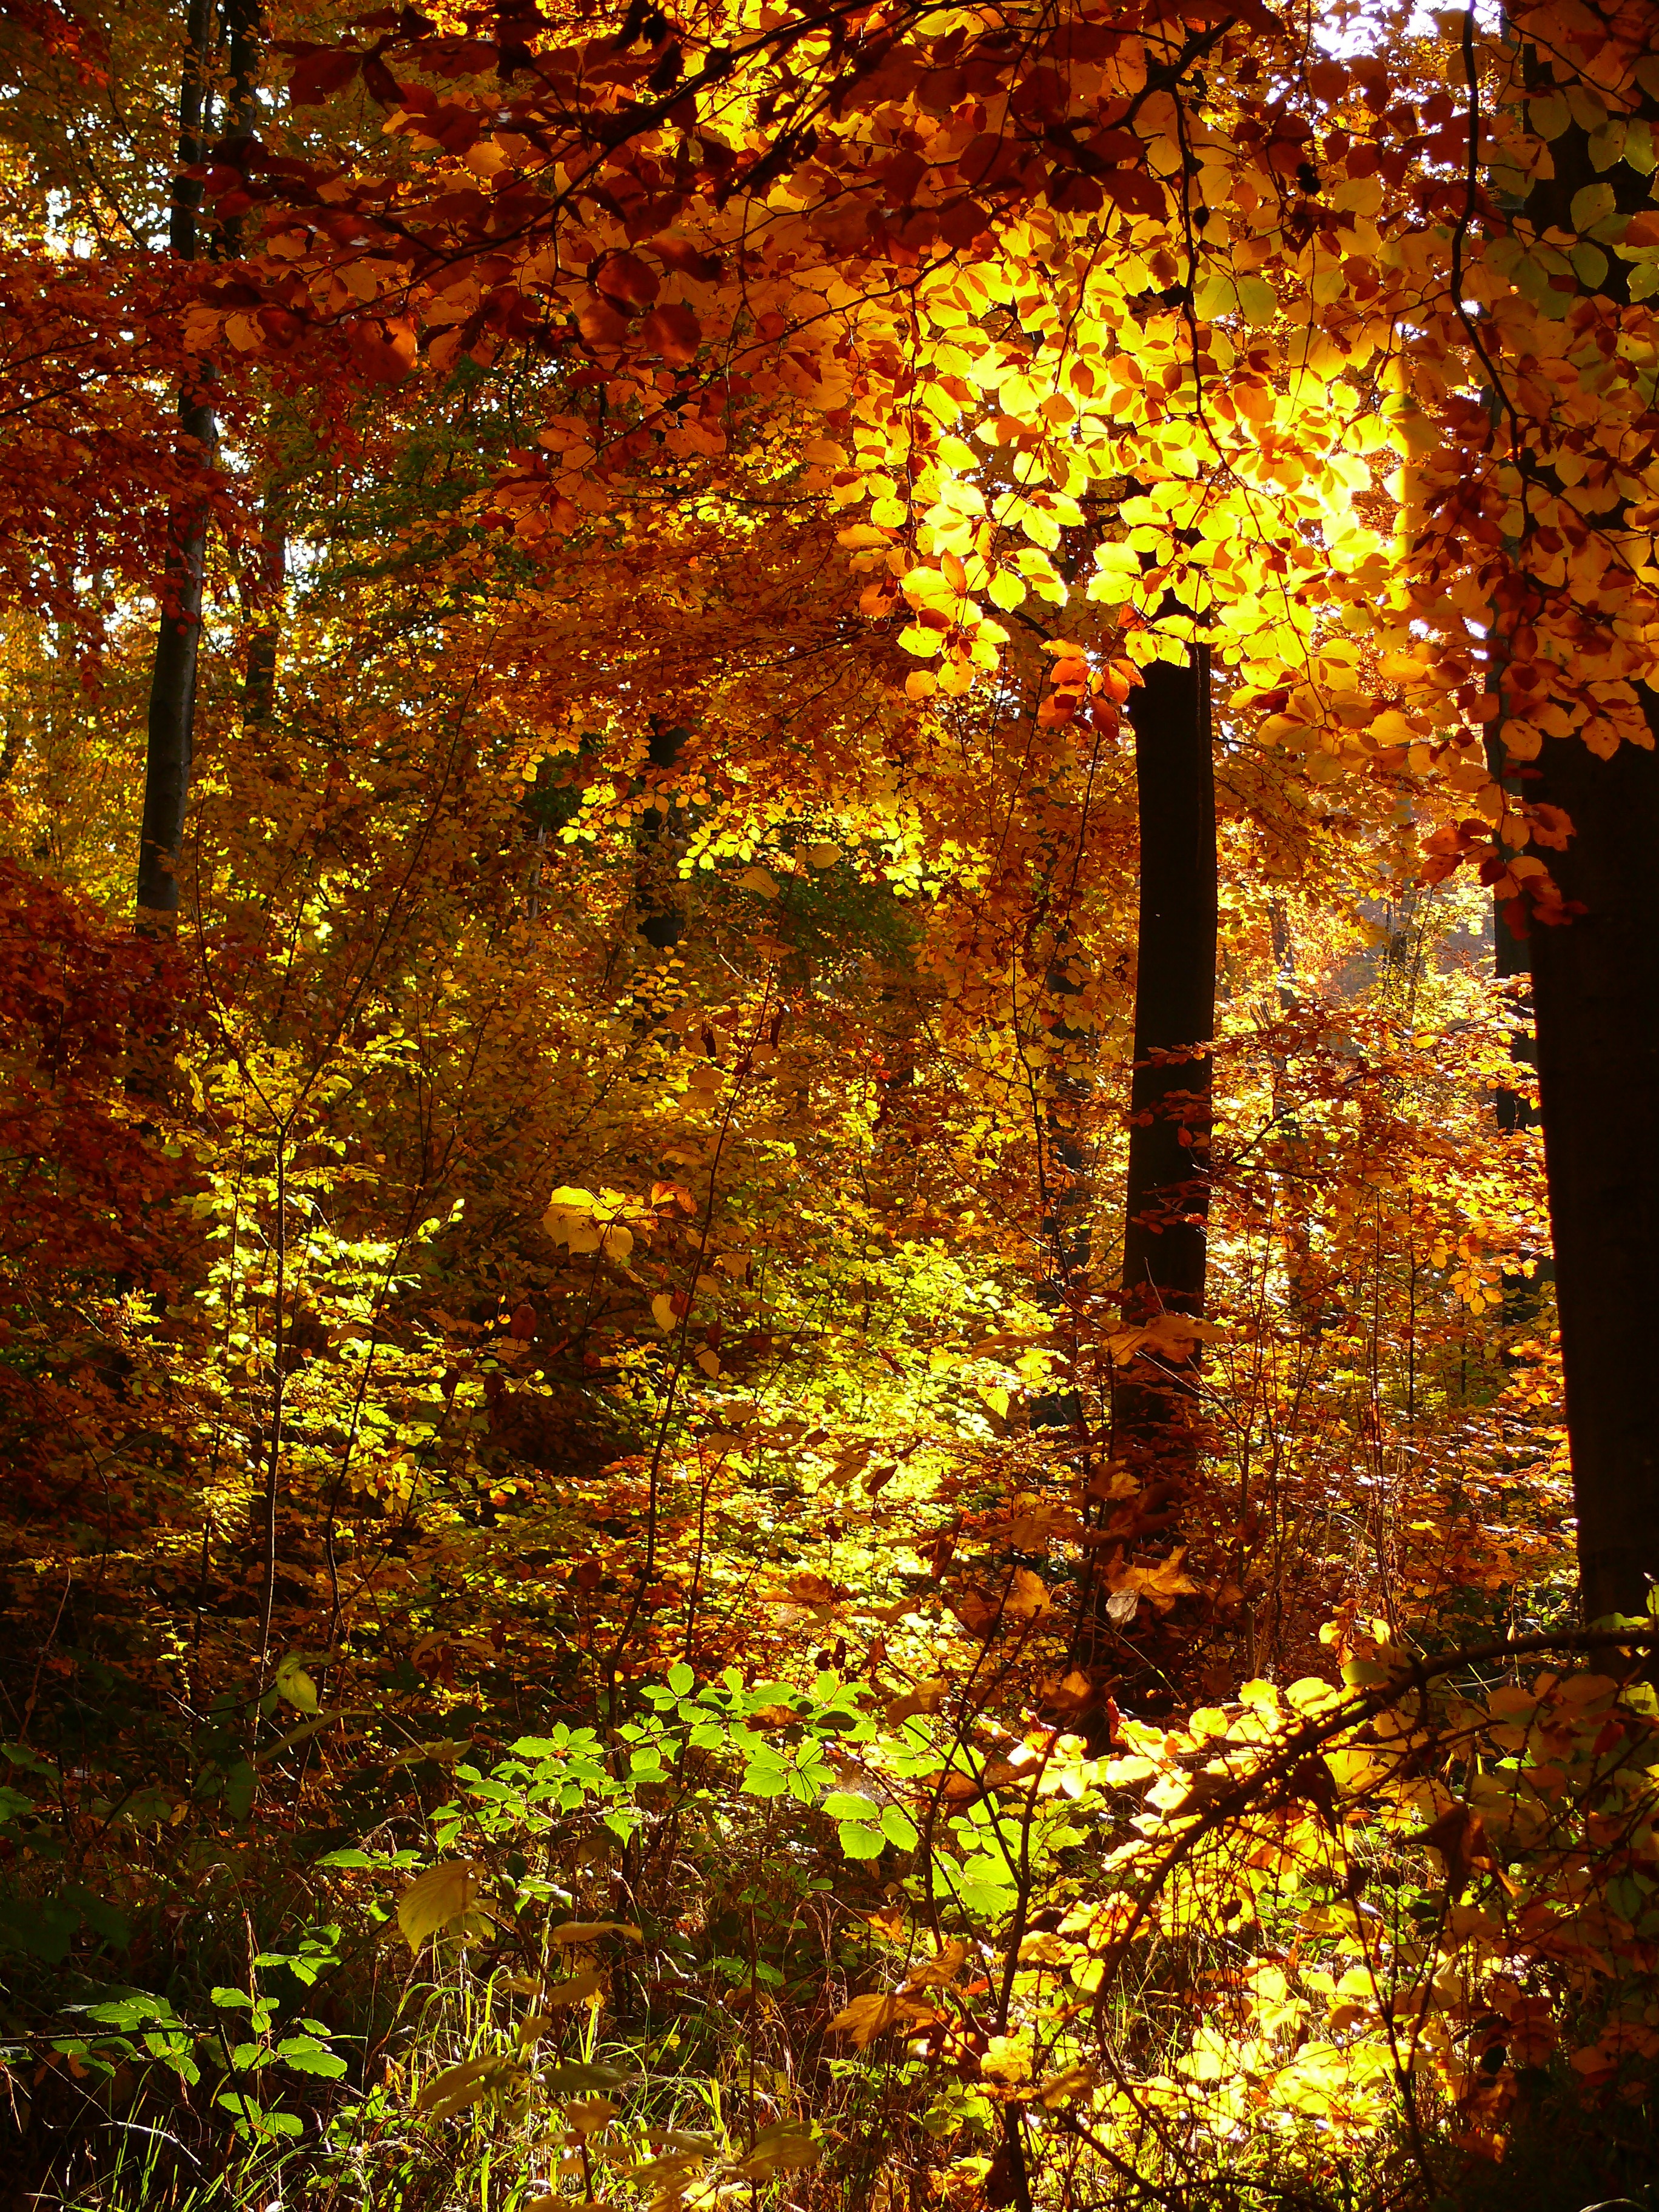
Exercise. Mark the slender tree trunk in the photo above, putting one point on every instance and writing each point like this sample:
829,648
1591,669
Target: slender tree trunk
1167,1203
659,894
1514,1113
171,741
264,634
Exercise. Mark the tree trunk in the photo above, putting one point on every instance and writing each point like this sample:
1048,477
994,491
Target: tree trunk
659,894
1595,996
264,599
1595,988
171,741
1167,1203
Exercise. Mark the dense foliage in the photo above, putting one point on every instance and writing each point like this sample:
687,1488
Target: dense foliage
598,1614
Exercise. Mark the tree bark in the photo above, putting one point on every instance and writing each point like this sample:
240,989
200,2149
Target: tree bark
1165,1239
265,596
1595,998
1595,989
172,722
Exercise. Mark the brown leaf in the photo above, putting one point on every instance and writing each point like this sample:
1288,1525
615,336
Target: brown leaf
935,1973
927,1698
978,1614
673,333
600,324
1460,1837
679,253
867,2017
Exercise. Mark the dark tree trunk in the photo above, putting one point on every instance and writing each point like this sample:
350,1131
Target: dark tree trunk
1514,1110
265,596
1595,997
659,894
1595,988
1167,1203
172,726
171,739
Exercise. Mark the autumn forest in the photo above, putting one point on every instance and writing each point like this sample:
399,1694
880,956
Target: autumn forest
828,1106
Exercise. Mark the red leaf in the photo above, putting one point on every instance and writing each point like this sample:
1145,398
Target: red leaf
322,72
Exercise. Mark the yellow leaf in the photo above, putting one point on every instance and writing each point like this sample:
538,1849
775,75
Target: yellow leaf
662,1311
458,2087
433,1899
576,1990
786,2147
995,1397
823,855
588,2115
1027,1595
761,881
575,1933
1007,2058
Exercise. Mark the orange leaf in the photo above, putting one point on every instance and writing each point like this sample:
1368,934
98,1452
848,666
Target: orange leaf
625,276
600,324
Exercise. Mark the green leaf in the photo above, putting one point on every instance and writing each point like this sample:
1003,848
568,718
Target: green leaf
846,1805
1549,115
681,1679
241,1782
1592,203
295,1687
860,1841
899,1828
786,2147
135,2009
306,2055
760,1781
